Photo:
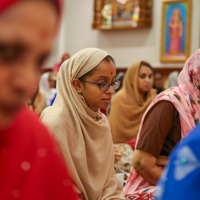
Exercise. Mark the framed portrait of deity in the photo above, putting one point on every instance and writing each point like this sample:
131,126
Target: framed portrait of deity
175,30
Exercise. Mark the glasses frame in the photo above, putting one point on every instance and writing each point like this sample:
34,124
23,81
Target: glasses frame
99,84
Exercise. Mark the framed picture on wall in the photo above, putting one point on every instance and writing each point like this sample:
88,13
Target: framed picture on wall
175,30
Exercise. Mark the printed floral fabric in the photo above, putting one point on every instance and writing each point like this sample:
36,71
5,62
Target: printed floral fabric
185,98
146,194
126,161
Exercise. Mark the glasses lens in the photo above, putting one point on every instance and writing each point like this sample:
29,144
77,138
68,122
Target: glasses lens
116,85
104,86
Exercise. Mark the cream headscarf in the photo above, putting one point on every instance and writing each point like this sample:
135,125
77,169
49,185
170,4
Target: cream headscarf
128,107
83,135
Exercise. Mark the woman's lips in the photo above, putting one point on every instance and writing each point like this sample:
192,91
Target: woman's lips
107,100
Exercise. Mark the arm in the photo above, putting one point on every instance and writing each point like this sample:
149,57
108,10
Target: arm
156,130
145,164
162,161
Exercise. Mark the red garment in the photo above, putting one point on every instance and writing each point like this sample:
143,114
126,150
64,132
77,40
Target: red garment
31,167
141,196
104,111
131,143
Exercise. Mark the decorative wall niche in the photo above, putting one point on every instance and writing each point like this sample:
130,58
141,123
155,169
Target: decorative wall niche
122,14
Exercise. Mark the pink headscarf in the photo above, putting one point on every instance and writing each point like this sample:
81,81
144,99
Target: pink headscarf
58,65
7,3
186,96
186,99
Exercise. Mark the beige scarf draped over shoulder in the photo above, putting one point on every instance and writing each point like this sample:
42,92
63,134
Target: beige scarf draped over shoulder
83,135
128,107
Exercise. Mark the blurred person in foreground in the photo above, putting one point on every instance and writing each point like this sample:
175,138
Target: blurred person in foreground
181,178
30,164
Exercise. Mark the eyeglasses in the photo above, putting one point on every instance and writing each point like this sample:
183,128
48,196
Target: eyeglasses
105,85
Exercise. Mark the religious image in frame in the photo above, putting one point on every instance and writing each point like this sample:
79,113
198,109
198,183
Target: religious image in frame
175,30
125,13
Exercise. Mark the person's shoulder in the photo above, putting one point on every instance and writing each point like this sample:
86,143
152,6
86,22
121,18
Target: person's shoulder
29,118
29,125
193,138
164,105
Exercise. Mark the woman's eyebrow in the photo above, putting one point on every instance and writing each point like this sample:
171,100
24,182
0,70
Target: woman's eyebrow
104,77
17,44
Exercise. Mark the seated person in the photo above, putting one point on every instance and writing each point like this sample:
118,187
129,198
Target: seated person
170,117
158,82
172,80
48,87
85,84
37,102
127,108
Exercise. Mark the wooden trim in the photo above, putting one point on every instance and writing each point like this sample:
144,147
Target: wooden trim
165,70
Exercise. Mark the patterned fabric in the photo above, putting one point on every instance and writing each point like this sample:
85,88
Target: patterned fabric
126,161
146,194
183,172
186,100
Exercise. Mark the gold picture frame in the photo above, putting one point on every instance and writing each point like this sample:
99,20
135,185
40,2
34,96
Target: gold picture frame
175,30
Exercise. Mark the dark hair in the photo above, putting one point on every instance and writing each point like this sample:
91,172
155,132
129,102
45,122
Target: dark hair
156,72
106,59
144,63
121,78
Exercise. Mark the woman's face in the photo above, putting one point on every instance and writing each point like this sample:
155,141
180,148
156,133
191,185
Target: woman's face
94,97
158,81
145,79
25,42
176,12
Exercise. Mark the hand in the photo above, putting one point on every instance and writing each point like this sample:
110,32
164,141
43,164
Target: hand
117,153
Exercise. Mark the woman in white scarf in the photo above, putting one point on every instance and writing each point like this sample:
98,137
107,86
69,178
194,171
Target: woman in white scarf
46,88
81,130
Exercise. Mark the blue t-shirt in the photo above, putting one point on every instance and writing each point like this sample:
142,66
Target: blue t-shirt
181,178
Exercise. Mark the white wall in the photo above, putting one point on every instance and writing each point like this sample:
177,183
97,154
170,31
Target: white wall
126,46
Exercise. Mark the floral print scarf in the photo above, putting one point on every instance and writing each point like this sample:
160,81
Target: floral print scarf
186,96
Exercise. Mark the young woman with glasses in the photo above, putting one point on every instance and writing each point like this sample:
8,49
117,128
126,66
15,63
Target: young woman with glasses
85,84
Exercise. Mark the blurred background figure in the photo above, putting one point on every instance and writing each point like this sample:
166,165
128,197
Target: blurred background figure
127,108
57,65
120,77
37,102
48,87
158,81
172,80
